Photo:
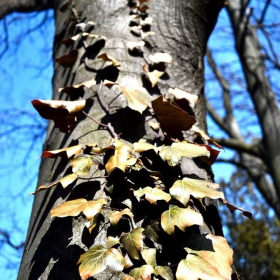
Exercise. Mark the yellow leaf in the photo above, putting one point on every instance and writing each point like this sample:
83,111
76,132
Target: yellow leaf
142,273
141,147
64,153
132,45
195,268
137,97
67,180
149,256
180,217
153,76
182,189
160,57
106,57
81,164
117,215
152,194
181,94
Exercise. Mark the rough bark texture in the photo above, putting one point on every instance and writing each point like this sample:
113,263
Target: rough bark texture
53,246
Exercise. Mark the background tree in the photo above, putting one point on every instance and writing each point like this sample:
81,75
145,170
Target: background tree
247,86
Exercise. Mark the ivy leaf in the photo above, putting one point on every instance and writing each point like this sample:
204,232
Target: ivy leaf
135,45
68,60
149,256
121,158
77,91
137,97
182,189
165,272
115,261
117,215
181,94
133,242
112,241
63,113
141,147
221,258
97,259
153,76
65,182
204,136
180,217
91,224
161,57
106,57
81,164
152,194
63,153
172,119
173,154
232,208
143,272
75,207
152,230
195,268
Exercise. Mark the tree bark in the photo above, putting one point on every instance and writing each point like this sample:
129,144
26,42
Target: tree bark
181,28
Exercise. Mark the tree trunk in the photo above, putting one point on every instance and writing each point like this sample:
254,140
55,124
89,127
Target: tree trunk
54,245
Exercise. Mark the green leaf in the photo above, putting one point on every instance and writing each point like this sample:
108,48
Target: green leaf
143,272
182,189
152,230
165,272
81,164
152,194
133,242
180,217
221,257
97,259
149,255
112,241
195,268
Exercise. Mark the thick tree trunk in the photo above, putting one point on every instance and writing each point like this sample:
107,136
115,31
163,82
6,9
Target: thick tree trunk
181,28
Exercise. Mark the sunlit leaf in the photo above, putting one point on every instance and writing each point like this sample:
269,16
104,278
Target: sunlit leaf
64,153
117,215
68,60
146,21
133,242
121,158
180,217
67,180
91,224
152,230
128,262
137,97
204,136
221,257
141,147
112,241
97,259
64,181
160,57
77,91
154,125
142,273
71,40
75,207
182,189
174,153
132,45
165,272
106,57
149,256
115,261
81,164
181,94
63,113
196,268
153,76
172,119
152,194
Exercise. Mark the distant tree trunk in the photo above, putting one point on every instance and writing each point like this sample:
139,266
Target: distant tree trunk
181,28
